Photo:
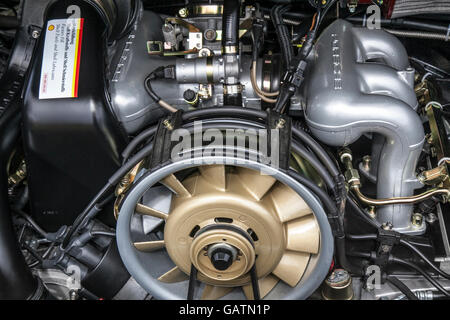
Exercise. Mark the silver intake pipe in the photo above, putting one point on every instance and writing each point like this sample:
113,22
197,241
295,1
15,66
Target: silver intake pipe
359,82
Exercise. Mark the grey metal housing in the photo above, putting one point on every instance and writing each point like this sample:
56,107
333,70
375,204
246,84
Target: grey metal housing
359,81
131,104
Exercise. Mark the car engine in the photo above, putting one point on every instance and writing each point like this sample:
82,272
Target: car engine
224,149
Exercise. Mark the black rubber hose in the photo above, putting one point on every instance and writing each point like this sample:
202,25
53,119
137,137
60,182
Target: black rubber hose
362,214
418,269
317,149
317,165
230,23
402,287
16,279
341,253
361,237
215,112
196,115
140,138
320,193
410,246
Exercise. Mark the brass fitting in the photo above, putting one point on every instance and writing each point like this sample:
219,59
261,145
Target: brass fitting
351,174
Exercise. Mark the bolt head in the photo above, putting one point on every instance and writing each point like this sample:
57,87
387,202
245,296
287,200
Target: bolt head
35,34
417,219
183,12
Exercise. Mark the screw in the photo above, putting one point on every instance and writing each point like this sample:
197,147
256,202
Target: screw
367,161
183,12
431,218
387,226
210,34
168,125
73,295
35,34
372,212
280,124
417,219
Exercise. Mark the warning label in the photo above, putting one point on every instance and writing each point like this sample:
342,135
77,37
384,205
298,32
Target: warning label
61,59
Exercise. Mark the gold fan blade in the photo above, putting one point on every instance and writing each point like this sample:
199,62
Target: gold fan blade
291,267
149,246
173,275
175,185
288,204
215,292
266,285
215,174
256,183
303,235
147,211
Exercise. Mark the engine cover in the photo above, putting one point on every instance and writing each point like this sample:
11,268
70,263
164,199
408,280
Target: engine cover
71,139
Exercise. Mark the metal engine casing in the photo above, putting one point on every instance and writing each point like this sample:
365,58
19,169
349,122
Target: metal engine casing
132,63
359,82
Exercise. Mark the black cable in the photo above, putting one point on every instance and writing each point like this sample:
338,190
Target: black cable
410,246
149,89
317,149
103,233
402,287
192,283
30,220
282,32
196,115
361,237
319,192
141,137
214,112
317,165
415,267
107,188
255,284
363,214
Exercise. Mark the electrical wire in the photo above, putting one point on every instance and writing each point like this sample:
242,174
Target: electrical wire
157,98
415,267
410,246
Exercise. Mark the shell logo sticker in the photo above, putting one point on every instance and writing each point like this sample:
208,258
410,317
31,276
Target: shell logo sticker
51,27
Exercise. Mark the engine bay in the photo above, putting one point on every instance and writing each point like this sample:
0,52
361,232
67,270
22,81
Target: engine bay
229,149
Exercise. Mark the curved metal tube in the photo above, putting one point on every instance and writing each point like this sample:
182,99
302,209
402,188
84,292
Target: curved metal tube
399,200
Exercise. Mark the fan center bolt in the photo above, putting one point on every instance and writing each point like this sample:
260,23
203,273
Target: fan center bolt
222,255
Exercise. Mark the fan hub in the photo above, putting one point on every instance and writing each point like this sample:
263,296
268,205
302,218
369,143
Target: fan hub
250,225
213,244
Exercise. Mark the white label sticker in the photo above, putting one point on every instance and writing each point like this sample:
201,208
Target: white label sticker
61,59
